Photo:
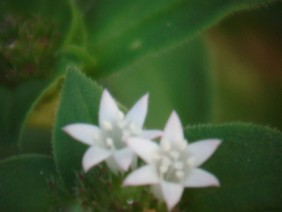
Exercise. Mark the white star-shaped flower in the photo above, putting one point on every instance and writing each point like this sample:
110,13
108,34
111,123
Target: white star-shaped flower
108,140
173,164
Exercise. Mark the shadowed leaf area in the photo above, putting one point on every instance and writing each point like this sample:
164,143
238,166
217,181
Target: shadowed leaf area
248,165
23,183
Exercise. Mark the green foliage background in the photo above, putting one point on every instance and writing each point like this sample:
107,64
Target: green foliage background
211,61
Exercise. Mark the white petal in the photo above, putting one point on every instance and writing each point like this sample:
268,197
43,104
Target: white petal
143,148
150,134
203,149
108,108
172,193
112,164
93,156
138,112
85,133
200,178
124,158
173,130
145,175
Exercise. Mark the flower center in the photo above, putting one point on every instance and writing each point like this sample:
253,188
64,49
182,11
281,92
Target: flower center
173,164
118,131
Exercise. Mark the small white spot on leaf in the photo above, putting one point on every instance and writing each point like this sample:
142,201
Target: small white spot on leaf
136,44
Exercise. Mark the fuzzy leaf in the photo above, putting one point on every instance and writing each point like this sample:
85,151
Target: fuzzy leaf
23,183
35,137
248,166
80,101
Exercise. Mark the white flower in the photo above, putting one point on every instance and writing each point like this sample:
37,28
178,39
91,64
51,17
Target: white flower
172,165
108,141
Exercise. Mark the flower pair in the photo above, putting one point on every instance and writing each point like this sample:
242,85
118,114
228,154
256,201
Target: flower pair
170,165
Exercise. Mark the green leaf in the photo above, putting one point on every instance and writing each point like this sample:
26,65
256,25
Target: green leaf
77,32
125,31
79,104
15,104
36,139
248,165
23,183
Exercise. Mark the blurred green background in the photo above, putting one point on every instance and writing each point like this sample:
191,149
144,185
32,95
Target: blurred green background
229,72
213,62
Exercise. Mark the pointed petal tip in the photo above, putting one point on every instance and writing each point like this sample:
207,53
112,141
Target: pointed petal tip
137,114
70,128
66,128
202,150
174,115
216,183
108,108
215,142
213,182
172,193
173,129
145,96
106,96
143,101
83,132
85,169
106,92
201,178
